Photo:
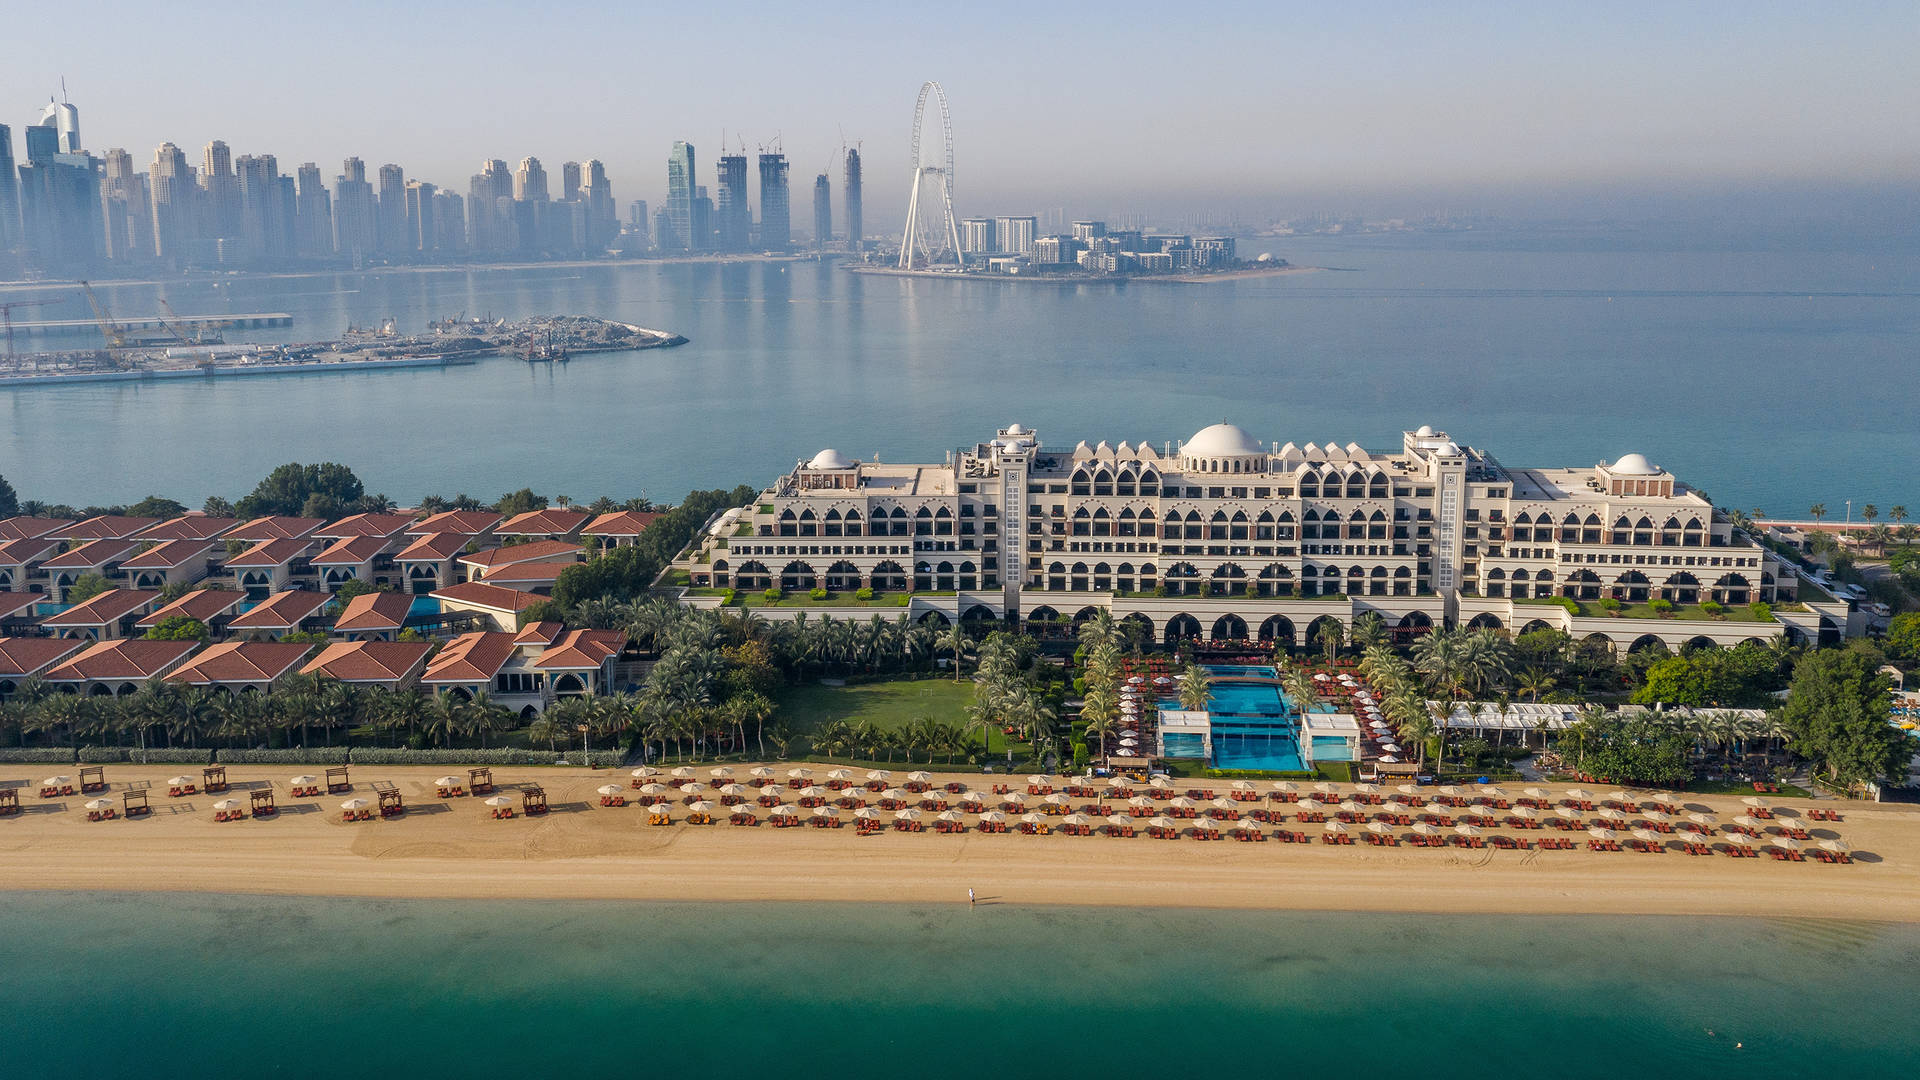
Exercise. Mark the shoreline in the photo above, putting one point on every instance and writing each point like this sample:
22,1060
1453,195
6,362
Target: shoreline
1087,279
450,849
209,276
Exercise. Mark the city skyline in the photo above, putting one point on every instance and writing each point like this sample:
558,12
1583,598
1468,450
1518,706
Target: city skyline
1382,106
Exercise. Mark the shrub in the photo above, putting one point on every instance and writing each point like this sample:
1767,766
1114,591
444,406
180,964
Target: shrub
175,755
772,595
863,593
102,755
50,755
1660,605
1610,604
816,593
381,755
726,597
1761,611
1713,607
310,755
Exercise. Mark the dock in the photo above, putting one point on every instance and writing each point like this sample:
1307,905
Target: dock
86,327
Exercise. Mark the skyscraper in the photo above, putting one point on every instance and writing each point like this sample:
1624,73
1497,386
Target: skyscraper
64,120
420,222
776,224
313,233
61,223
127,208
977,236
255,240
223,192
175,205
9,194
449,222
603,220
700,222
570,181
354,230
733,218
856,242
822,212
679,211
530,183
1017,234
391,231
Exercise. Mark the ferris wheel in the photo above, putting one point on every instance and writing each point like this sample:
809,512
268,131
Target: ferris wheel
931,234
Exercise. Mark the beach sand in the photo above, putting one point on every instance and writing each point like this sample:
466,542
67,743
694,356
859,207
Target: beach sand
453,849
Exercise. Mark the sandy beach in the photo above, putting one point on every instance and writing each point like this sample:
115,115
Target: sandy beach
452,848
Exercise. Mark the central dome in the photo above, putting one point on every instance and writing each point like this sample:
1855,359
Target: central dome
1634,465
1220,441
829,459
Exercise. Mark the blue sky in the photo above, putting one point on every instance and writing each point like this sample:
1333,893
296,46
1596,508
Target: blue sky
1099,108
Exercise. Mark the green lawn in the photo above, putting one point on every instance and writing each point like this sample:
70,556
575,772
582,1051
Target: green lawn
886,704
833,600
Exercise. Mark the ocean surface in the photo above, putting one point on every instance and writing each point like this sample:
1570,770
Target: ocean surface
1771,374
101,984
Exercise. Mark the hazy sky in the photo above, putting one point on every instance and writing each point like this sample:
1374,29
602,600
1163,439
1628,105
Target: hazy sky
1098,108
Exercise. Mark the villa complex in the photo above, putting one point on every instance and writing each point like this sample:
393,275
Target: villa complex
1224,538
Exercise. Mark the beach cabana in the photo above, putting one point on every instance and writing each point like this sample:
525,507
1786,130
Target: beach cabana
337,781
213,779
480,781
93,779
391,802
500,806
533,799
260,802
9,801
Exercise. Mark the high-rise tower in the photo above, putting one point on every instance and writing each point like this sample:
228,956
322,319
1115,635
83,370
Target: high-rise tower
354,230
776,221
392,232
679,211
530,183
9,194
856,241
822,212
733,218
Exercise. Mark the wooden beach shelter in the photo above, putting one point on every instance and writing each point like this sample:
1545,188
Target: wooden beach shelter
391,802
480,781
261,802
533,799
9,801
213,779
337,782
92,778
133,803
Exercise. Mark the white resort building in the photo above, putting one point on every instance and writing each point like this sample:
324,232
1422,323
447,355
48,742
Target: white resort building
1224,538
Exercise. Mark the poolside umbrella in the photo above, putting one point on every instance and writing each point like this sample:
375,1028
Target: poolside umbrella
1701,819
1391,748
178,781
799,774
645,771
993,817
1140,802
1039,781
783,811
839,774
654,789
1321,676
1286,786
454,781
355,805
1032,819
498,801
919,777
1648,835
107,804
867,813
610,789
682,773
1467,830
56,781
303,780
1162,680
1335,827
825,812
1534,792
1786,843
1162,822
1055,800
1425,829
1390,759
1836,846
1757,804
761,771
732,789
1136,679
1599,833
701,807
948,815
1380,827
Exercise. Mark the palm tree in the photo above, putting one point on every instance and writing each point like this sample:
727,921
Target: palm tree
866,735
1817,512
1535,681
1868,512
445,719
1195,687
1369,630
955,641
1412,722
1099,630
1438,656
1300,688
1329,637
1897,513
543,729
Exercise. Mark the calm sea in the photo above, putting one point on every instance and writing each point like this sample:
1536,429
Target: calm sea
1768,374
236,986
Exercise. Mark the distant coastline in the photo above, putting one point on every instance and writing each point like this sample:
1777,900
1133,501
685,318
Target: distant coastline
211,276
1242,274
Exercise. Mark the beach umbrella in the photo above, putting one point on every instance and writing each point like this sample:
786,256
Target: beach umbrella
880,774
645,771
1140,802
825,812
1183,803
1222,803
893,793
1425,829
1162,680
1074,819
1449,790
1321,676
1620,796
107,804
654,789
993,817
1572,812
1160,782
1749,822
56,781
771,791
1701,819
1408,789
1055,800
355,804
1837,846
1577,793
1522,812
1117,781
178,781
799,774
701,807
1391,759
1335,827
452,781
1467,830
1352,807
1757,804
809,792
973,796
1324,788
761,771
682,773
1648,835
1380,827
920,777
732,789
867,813
498,801
1599,833
948,815
1032,819
1534,792
1136,679
1040,781
1390,747
1120,819
1786,843
720,773
1014,797
840,774
1655,815
1492,792
303,780
610,789
1611,814
785,811
1285,786
1162,823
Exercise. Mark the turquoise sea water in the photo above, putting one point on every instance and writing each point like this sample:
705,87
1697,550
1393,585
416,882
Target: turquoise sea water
1750,367
233,986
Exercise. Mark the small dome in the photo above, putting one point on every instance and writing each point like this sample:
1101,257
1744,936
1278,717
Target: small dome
1018,429
1425,432
829,459
1634,465
1218,441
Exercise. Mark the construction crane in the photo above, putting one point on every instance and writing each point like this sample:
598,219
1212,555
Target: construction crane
6,316
200,336
115,334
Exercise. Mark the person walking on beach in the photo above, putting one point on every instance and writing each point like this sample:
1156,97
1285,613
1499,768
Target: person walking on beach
970,899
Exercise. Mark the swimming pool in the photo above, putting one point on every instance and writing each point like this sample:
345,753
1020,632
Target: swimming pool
1252,724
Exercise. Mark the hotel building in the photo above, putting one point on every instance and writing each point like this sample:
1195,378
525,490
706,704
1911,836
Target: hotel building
1225,538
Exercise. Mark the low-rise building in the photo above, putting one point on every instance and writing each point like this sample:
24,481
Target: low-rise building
375,616
118,668
111,614
395,665
23,658
290,612
101,557
171,562
241,667
23,563
212,608
549,524
274,565
500,607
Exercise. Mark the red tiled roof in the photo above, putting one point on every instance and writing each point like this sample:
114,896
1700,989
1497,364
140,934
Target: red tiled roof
480,594
471,658
527,573
534,551
539,633
368,661
374,611
275,527
169,555
91,554
456,521
30,528
22,552
108,607
134,659
108,527
192,527
241,662
582,649
13,603
351,551
24,656
382,525
434,547
268,553
545,523
621,523
281,611
201,604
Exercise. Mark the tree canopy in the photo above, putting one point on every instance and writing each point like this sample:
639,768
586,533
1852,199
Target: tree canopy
9,502
1631,751
625,572
293,489
156,506
178,628
1836,716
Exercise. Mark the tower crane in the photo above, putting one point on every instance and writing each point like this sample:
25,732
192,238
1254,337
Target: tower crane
6,316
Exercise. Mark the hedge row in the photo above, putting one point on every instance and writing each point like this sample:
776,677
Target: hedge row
102,755
378,755
56,755
316,755
172,757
